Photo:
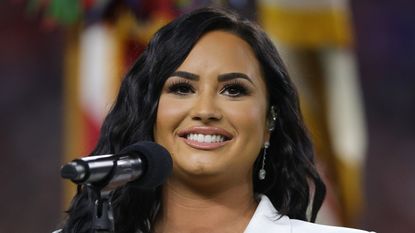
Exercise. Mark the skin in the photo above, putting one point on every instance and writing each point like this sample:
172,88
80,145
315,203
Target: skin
219,90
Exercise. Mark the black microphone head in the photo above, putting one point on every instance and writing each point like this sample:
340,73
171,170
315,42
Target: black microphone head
157,161
69,171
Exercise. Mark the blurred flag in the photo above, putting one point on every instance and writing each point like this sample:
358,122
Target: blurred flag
315,39
92,79
98,55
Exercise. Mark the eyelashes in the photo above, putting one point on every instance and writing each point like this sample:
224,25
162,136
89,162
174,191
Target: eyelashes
233,88
180,87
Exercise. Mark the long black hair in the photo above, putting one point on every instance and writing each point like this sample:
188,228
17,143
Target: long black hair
292,182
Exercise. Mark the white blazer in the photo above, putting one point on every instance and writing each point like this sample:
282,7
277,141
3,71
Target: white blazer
267,220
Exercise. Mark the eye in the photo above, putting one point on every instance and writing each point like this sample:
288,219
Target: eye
180,87
235,89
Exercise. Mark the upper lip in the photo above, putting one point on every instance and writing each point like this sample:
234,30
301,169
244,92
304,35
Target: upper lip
205,130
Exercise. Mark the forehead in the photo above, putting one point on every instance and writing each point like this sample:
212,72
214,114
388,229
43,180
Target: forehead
221,52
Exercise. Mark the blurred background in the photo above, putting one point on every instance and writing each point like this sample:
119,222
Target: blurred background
61,62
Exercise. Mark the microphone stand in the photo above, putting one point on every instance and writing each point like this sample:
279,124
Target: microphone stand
103,219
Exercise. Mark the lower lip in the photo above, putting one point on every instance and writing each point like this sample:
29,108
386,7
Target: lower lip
204,145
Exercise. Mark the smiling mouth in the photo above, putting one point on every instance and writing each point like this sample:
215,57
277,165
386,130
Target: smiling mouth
209,138
205,138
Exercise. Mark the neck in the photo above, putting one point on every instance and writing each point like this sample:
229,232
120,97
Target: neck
227,210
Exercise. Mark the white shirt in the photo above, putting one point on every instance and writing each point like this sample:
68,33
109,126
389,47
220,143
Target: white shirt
267,220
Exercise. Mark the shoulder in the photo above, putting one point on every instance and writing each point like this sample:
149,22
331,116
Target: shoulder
267,220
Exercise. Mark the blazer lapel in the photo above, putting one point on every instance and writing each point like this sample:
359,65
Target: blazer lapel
266,219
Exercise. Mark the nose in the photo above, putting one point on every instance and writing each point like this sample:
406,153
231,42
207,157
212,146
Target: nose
205,109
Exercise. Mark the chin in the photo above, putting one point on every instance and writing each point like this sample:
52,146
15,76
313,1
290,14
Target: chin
200,170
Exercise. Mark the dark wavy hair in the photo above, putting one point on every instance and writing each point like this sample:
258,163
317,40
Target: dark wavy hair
292,182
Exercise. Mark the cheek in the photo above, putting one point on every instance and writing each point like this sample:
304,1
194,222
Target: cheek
249,122
249,119
169,115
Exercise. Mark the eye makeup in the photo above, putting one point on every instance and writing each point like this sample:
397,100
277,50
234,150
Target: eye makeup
235,88
179,86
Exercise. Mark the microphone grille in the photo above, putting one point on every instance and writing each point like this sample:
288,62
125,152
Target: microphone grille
157,161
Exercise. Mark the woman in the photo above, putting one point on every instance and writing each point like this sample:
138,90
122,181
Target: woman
212,89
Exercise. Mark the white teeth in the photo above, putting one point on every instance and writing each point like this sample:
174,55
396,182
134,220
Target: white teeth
205,138
200,138
208,138
214,138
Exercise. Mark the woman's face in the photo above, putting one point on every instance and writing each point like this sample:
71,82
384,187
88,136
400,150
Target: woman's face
212,111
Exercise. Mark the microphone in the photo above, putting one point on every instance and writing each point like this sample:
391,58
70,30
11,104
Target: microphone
143,164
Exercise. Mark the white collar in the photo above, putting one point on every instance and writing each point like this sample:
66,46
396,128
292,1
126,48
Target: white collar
266,219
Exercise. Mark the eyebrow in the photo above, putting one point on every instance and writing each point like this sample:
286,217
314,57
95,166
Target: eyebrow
186,75
221,77
234,75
